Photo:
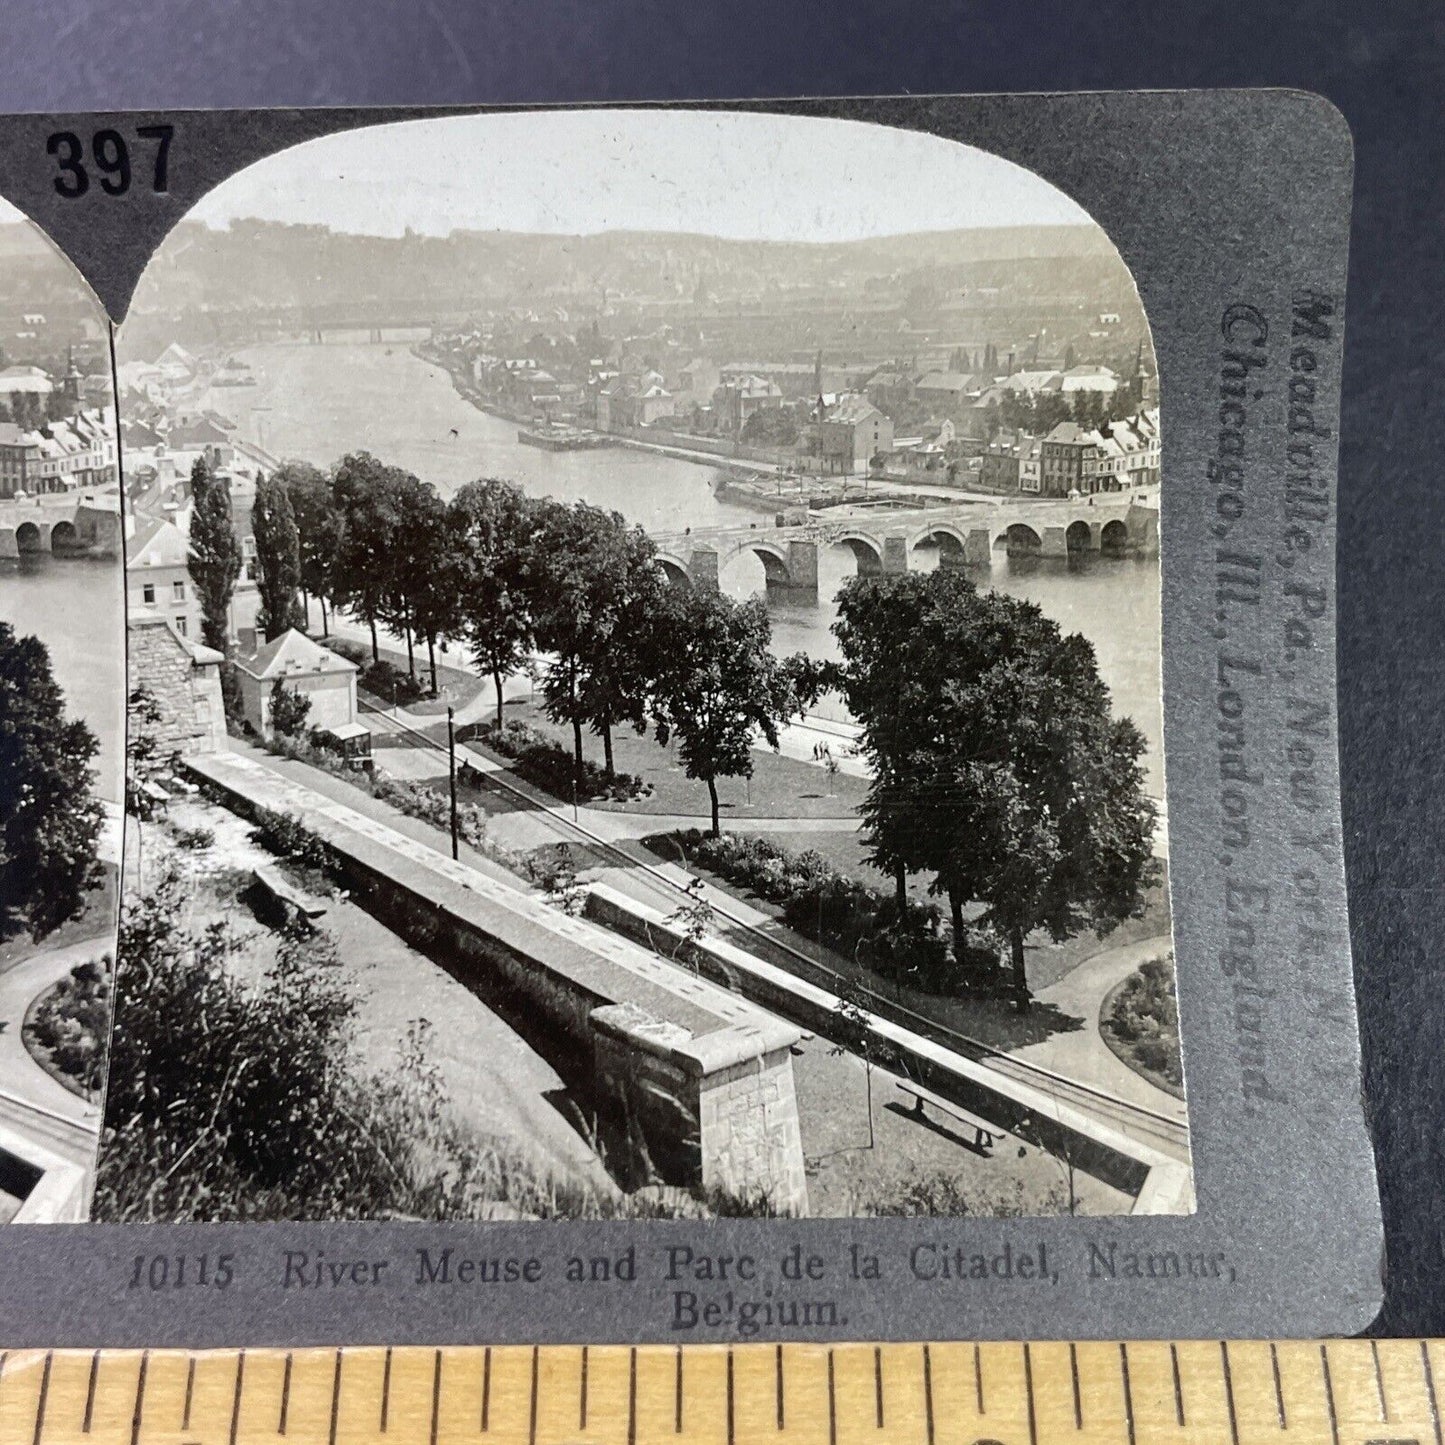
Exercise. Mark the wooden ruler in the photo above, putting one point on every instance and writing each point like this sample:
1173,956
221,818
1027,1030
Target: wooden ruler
1343,1392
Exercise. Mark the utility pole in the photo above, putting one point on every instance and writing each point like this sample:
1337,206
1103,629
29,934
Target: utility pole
452,774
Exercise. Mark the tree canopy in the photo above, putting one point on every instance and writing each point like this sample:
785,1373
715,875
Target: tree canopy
490,523
998,765
718,685
49,819
214,562
278,559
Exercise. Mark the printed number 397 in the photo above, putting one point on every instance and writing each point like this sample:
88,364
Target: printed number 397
110,158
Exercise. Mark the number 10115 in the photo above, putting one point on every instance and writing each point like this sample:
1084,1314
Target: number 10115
181,1271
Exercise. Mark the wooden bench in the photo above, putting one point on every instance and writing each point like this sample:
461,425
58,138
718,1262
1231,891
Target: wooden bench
985,1135
298,906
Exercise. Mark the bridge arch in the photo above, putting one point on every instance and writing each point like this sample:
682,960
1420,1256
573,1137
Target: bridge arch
28,538
867,551
674,569
950,542
1114,538
1020,540
64,537
1078,537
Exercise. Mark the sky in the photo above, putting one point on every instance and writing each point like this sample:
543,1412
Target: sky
735,175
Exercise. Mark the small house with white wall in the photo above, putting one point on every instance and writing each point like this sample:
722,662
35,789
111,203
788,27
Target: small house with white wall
317,673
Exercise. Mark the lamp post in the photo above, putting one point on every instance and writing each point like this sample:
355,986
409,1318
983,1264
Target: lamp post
452,774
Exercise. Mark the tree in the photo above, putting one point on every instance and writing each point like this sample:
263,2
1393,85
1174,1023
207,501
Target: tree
363,576
718,685
490,526
278,559
771,426
49,819
998,764
214,563
318,530
595,593
289,709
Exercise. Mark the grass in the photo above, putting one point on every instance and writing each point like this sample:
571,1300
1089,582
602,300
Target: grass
781,787
98,922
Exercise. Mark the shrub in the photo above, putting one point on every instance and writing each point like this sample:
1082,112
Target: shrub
818,901
548,765
1144,1018
69,1027
196,840
289,709
285,835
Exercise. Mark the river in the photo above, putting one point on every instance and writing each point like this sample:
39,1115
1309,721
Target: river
75,606
318,402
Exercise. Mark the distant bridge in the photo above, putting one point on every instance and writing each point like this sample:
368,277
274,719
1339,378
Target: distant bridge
884,540
69,528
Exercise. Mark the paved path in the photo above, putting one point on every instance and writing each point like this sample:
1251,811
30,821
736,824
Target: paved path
30,1099
1083,1054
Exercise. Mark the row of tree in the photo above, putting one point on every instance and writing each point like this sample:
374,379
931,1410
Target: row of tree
998,767
511,578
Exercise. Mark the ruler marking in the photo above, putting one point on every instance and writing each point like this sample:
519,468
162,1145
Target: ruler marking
335,1399
582,1393
385,1387
832,1405
1074,1371
928,1391
1278,1386
730,1396
140,1395
978,1379
677,1395
878,1386
1029,1390
236,1396
1430,1389
486,1385
1329,1395
1128,1389
1379,1382
44,1394
285,1397
190,1392
778,1383
90,1396
632,1396
1229,1391
532,1410
437,1393
1178,1385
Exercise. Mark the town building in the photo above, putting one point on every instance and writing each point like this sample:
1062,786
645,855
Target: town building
78,453
1012,462
156,575
300,665
633,400
1116,457
736,400
845,437
946,392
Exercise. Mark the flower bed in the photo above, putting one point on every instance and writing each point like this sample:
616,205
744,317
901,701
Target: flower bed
1140,1022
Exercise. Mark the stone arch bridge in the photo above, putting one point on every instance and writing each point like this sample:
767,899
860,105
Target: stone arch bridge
886,539
66,530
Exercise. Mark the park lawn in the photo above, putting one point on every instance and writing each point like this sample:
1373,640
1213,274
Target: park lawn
781,787
98,922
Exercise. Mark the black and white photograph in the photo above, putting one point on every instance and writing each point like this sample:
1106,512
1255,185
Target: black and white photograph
62,725
644,698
